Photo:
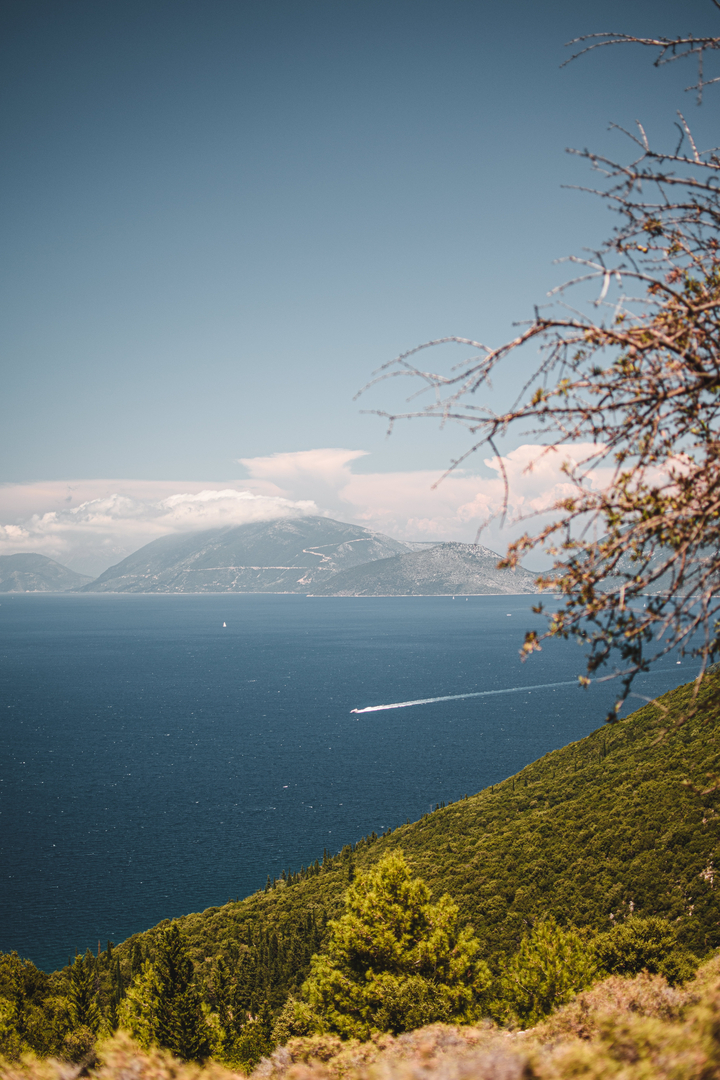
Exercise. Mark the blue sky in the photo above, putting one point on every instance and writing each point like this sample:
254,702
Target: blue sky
219,217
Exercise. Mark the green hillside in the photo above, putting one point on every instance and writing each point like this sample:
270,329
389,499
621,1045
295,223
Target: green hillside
601,827
612,824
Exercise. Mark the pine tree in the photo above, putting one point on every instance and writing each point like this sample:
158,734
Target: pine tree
395,961
13,1006
136,959
180,1024
116,993
137,1012
549,969
82,995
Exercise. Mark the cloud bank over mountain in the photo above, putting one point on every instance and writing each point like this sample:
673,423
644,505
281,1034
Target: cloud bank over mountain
90,525
102,530
424,504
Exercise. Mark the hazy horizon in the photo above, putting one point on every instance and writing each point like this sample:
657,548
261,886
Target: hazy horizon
220,218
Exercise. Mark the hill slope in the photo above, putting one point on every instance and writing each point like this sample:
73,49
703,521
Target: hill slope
462,569
289,555
27,572
598,828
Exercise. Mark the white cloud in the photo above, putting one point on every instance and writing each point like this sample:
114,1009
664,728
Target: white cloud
413,505
89,525
102,530
323,465
320,475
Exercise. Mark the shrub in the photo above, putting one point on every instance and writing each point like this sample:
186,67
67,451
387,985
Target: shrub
551,966
648,944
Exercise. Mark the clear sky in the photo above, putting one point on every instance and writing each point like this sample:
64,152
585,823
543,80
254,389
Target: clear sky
219,217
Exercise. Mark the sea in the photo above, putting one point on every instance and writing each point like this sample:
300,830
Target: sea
163,754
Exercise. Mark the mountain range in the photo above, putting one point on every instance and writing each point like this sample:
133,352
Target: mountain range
290,555
306,555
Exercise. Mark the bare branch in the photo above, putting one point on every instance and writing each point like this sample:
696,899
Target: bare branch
670,49
636,558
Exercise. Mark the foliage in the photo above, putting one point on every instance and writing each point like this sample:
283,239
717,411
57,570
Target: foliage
179,1021
644,945
12,1044
82,997
252,1042
395,961
642,995
619,822
79,1044
634,383
137,1011
163,1006
629,1029
296,1019
119,1058
551,966
632,1029
33,1016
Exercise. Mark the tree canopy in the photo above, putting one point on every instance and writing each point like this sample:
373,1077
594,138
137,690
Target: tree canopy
395,960
163,1004
551,966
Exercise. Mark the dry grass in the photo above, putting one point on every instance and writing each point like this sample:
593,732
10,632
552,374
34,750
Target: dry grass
621,1029
439,1051
120,1058
590,1012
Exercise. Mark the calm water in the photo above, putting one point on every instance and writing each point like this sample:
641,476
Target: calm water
155,763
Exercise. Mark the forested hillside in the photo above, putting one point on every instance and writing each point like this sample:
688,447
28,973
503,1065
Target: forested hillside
605,826
622,822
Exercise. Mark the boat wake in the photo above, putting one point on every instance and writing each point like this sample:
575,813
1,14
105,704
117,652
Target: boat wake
480,694
458,697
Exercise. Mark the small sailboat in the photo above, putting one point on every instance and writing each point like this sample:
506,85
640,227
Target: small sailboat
224,625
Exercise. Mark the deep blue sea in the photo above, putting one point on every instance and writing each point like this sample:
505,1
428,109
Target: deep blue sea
154,762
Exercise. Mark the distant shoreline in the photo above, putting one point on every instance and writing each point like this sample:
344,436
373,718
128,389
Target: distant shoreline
232,592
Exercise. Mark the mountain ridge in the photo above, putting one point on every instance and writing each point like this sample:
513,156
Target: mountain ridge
30,572
284,555
309,555
442,570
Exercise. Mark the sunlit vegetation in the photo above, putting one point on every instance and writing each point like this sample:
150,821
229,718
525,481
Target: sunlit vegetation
595,860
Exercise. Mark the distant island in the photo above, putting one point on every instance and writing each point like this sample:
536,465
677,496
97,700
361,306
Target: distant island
441,570
307,555
29,572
